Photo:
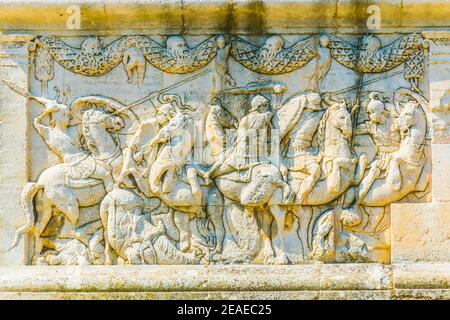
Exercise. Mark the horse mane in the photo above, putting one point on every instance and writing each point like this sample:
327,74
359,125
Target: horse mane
86,134
322,127
86,137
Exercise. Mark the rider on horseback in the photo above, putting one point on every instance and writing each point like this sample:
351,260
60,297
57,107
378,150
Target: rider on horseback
175,141
300,155
385,133
135,151
251,141
78,163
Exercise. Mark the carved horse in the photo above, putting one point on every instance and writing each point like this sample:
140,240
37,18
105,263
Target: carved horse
66,187
266,190
407,163
186,198
340,167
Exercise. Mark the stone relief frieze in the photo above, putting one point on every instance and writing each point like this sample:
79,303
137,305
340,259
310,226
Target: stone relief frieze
247,175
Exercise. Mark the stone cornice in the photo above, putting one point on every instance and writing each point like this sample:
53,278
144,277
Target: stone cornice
404,280
253,17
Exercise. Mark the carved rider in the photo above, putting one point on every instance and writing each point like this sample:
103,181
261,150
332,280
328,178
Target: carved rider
251,141
384,131
136,150
79,165
300,155
176,142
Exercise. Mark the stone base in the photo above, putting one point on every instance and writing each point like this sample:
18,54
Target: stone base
318,281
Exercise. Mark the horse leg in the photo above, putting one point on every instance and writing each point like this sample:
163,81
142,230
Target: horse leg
195,186
43,218
395,176
309,183
304,215
181,220
375,214
334,178
104,205
360,169
103,174
266,222
280,216
215,212
367,182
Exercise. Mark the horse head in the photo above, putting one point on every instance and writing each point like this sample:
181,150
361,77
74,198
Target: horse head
103,119
409,116
97,124
338,117
342,119
335,130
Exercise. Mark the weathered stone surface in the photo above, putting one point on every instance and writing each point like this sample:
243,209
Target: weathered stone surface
425,236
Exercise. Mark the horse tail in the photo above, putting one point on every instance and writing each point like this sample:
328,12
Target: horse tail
26,201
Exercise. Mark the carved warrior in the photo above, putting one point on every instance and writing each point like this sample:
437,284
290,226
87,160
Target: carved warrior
405,166
81,179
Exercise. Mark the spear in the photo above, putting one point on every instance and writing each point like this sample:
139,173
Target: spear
149,96
355,110
354,116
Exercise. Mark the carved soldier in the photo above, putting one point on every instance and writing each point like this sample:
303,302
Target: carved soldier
79,163
251,140
384,131
137,150
300,155
174,152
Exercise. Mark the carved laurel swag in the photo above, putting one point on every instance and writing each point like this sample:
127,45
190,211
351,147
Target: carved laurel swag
371,57
92,59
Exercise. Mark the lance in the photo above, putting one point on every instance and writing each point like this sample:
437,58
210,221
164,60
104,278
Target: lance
357,106
17,89
150,96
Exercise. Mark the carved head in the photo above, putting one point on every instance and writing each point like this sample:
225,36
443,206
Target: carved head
91,46
272,46
376,108
259,103
165,112
178,48
221,42
314,101
324,41
370,44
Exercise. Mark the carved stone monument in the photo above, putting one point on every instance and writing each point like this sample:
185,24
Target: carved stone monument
266,150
